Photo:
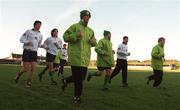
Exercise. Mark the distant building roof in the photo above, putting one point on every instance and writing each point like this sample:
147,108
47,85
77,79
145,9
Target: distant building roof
19,56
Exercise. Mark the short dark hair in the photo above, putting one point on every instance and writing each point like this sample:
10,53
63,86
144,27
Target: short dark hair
125,37
160,39
106,32
53,31
36,22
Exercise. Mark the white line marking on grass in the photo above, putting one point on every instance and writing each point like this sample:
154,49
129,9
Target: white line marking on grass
41,96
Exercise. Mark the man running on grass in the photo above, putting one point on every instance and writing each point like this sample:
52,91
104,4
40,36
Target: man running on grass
31,40
105,59
157,61
121,63
80,39
52,45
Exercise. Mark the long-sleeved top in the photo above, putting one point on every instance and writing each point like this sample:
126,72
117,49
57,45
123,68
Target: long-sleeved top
64,54
122,51
157,55
35,37
105,55
79,49
53,44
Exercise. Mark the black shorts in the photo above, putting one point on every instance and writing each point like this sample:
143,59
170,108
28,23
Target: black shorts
50,57
103,68
29,56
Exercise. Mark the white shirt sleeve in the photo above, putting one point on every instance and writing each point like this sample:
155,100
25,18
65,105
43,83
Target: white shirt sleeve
46,43
24,37
122,50
59,43
40,40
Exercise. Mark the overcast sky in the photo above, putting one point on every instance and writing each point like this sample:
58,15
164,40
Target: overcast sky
144,21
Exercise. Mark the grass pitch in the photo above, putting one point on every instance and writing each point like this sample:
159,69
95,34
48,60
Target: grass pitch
43,96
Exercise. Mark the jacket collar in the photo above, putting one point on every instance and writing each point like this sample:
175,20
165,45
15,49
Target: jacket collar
82,23
105,37
160,45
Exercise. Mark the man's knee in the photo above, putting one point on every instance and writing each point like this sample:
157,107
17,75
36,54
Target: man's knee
108,72
99,73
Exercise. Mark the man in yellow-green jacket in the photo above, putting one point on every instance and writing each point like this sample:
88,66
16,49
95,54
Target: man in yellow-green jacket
157,60
105,58
80,39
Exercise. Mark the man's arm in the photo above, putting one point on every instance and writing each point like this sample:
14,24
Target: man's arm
70,34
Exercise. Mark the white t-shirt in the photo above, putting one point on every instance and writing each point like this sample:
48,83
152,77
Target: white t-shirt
32,36
64,54
122,51
53,44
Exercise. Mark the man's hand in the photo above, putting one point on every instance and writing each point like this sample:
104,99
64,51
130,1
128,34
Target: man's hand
91,40
56,44
79,34
42,46
129,54
164,59
113,52
46,48
106,54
